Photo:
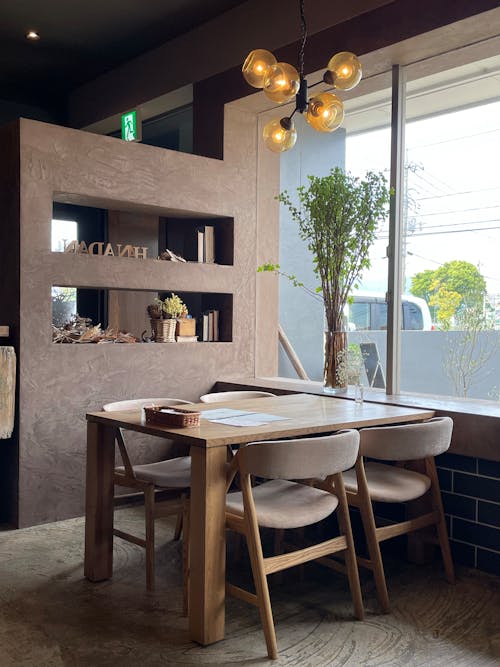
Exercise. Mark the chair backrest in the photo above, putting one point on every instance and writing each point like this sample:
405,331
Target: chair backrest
219,397
404,443
139,403
303,458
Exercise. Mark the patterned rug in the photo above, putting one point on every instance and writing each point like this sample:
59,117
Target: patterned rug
50,616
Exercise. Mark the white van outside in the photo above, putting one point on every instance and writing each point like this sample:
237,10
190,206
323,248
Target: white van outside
367,311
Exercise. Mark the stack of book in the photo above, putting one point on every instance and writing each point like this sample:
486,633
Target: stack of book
206,247
186,339
210,329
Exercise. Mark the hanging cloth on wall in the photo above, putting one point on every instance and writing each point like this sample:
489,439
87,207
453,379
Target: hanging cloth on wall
7,390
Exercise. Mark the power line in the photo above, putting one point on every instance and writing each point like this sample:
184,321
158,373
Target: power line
458,210
462,138
457,224
452,231
464,192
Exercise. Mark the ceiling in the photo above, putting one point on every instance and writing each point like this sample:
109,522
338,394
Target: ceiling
81,39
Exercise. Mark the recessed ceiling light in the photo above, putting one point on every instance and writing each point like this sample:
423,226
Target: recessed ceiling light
32,35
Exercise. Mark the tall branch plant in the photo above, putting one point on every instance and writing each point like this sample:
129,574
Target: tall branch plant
338,216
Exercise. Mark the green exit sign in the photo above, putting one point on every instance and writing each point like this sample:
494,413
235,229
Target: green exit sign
131,129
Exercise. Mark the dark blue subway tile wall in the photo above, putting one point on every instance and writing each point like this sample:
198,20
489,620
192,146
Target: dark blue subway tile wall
471,497
445,479
488,513
463,554
488,561
456,462
488,468
476,533
456,505
476,486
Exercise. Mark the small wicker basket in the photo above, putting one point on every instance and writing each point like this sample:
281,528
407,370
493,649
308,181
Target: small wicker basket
174,417
163,330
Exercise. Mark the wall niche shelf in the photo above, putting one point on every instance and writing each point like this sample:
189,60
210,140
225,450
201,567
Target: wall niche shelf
118,233
181,236
202,240
126,310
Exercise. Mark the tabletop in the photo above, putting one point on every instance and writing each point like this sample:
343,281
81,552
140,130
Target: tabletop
304,414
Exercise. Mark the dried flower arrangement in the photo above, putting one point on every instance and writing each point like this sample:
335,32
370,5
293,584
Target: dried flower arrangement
81,330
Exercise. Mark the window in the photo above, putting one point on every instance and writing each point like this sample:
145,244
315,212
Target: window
450,339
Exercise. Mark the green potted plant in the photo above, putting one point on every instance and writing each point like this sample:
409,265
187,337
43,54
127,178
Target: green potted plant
337,215
164,315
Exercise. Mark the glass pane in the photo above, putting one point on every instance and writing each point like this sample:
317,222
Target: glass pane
63,232
362,144
452,235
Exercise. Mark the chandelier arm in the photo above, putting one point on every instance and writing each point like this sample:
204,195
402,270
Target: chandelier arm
314,84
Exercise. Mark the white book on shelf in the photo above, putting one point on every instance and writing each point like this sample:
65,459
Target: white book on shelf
209,245
201,244
205,327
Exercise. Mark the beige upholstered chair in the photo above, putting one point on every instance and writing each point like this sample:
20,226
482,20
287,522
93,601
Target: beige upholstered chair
172,474
384,483
282,504
219,397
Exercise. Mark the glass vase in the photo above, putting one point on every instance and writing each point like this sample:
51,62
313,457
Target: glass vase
335,362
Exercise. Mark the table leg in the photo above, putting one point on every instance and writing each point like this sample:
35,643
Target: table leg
99,489
207,545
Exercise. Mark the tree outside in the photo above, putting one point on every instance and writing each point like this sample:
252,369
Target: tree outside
453,288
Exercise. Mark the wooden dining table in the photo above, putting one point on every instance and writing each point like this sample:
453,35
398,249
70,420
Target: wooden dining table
303,415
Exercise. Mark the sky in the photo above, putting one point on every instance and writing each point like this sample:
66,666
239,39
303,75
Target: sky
453,189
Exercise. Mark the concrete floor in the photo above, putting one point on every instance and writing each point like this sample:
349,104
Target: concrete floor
50,616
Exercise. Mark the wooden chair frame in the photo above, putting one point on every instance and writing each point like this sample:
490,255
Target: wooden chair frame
248,526
153,509
375,534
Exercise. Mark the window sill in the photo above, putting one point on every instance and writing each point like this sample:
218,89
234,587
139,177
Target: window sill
476,422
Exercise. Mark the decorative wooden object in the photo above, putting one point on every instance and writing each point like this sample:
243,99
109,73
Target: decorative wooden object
7,390
4,331
177,417
186,326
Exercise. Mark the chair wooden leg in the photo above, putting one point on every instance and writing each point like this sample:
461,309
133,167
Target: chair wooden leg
264,600
149,501
178,525
350,554
442,533
259,577
185,560
370,529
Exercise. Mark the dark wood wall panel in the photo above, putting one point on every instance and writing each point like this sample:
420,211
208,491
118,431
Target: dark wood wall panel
9,303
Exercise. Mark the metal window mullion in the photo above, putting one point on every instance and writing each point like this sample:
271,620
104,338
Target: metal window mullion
396,231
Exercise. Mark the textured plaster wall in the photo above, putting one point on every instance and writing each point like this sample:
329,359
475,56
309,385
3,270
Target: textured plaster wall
59,383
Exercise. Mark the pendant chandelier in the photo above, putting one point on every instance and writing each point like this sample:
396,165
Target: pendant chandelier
282,82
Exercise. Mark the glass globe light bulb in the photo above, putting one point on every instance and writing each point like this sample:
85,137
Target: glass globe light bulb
256,65
345,69
281,83
325,112
277,138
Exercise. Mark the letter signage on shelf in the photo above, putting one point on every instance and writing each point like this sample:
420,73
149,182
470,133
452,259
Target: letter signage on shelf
98,248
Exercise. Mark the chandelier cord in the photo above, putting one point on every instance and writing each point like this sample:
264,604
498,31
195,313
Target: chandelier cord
303,37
